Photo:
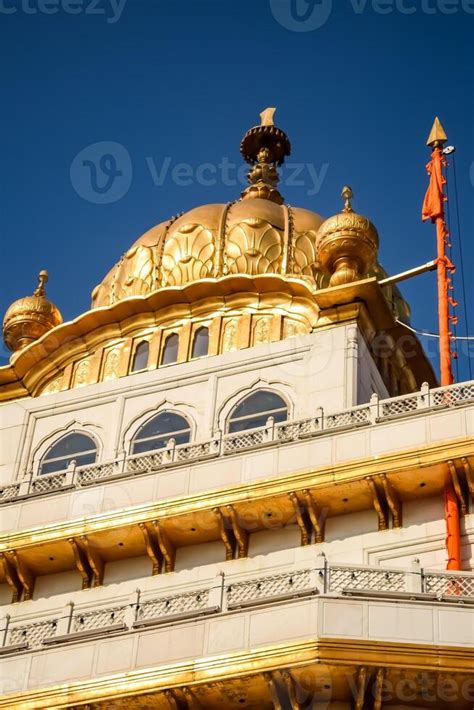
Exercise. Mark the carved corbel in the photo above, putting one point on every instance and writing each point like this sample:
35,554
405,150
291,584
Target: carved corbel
190,698
25,576
173,700
96,562
82,563
362,680
165,545
378,688
152,547
290,685
318,519
11,578
227,536
457,487
268,677
240,534
378,504
300,519
469,476
393,501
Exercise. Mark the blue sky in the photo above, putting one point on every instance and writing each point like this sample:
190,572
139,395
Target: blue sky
357,84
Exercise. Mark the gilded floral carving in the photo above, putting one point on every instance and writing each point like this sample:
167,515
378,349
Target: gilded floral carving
254,246
229,341
188,255
111,366
262,331
81,374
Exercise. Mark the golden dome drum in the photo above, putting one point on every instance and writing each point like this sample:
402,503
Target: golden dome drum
347,244
30,317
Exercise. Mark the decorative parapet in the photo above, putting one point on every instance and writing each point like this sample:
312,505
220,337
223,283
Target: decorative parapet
378,411
220,596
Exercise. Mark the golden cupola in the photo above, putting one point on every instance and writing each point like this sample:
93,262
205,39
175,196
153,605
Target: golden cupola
254,236
347,244
28,318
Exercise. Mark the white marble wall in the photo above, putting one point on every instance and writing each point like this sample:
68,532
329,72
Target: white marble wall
317,370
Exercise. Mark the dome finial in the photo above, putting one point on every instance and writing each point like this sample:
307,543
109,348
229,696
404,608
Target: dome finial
43,277
347,196
265,148
267,117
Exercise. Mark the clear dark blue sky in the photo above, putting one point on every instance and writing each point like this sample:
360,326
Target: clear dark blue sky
183,80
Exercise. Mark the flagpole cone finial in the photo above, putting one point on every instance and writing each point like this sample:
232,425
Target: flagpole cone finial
437,137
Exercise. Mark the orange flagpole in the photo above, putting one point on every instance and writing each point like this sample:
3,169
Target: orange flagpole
433,208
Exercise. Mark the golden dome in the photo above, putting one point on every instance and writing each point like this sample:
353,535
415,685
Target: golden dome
251,236
347,244
255,235
29,318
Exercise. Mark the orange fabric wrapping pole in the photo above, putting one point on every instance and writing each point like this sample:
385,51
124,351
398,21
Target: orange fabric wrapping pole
453,535
433,208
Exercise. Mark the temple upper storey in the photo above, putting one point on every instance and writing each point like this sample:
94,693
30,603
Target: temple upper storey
231,276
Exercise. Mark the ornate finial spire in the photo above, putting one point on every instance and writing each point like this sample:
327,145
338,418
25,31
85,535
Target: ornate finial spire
437,137
265,147
347,196
42,281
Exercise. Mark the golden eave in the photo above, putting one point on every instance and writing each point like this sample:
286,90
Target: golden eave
39,363
43,358
192,519
328,659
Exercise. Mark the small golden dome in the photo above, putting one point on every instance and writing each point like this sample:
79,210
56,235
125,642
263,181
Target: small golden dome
347,244
29,318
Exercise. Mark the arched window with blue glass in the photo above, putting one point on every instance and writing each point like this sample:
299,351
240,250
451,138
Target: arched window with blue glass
170,349
155,433
75,446
140,358
200,342
254,411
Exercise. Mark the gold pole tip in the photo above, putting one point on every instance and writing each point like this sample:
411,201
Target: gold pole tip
437,135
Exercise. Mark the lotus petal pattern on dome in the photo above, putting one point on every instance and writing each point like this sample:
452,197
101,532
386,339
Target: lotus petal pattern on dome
249,237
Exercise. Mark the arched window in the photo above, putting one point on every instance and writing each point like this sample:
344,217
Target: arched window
156,432
201,342
255,409
77,447
170,350
140,359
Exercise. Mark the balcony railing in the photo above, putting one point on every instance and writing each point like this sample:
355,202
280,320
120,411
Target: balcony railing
225,595
377,411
